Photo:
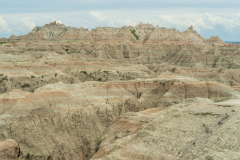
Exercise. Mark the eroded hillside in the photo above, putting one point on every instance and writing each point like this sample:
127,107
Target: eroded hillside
140,92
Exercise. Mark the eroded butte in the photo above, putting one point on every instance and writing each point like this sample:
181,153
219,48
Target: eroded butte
126,93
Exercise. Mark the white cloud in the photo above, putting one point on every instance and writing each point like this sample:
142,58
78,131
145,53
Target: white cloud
183,21
58,21
103,20
226,25
98,16
30,25
3,25
128,23
228,22
200,22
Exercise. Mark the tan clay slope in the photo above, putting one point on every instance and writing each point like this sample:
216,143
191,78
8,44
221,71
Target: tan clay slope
182,53
229,77
49,124
63,87
155,45
63,120
41,63
9,149
142,33
30,75
200,130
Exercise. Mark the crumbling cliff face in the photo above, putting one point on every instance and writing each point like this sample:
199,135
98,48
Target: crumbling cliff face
142,33
9,149
194,129
142,44
140,92
63,120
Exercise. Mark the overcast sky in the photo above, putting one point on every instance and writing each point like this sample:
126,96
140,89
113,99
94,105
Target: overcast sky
208,17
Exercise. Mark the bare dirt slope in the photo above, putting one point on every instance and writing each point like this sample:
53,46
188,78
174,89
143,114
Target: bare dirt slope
140,92
63,120
196,130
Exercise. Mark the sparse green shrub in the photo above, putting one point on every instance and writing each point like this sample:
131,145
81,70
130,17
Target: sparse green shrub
225,117
32,76
96,148
85,72
5,78
99,79
136,36
98,141
207,130
37,29
223,100
220,123
209,158
42,76
49,157
1,75
56,74
27,155
139,95
2,42
25,85
32,90
233,110
173,69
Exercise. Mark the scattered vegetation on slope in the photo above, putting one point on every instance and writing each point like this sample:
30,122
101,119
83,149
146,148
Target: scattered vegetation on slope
38,29
134,33
223,100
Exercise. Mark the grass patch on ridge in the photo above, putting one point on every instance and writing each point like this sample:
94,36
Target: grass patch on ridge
134,33
223,100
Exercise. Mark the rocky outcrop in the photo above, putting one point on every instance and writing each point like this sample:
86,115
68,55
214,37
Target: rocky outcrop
142,44
37,63
141,33
140,92
63,120
195,129
214,40
9,149
54,24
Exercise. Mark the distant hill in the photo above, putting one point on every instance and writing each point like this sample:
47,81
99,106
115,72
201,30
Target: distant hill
237,42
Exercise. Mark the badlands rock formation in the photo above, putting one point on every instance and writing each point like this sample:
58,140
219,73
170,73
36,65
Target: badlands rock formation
9,149
140,92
